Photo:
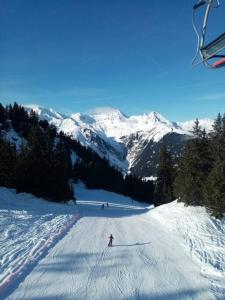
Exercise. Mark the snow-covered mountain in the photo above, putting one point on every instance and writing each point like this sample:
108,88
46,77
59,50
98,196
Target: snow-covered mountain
204,123
129,143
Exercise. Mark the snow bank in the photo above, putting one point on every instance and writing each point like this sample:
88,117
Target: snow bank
29,226
202,236
12,137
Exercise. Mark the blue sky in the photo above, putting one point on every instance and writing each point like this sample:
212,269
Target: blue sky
134,55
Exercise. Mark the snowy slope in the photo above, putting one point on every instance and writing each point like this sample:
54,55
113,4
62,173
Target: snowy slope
29,226
151,257
204,123
12,137
202,236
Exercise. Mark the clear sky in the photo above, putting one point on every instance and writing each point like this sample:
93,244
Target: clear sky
134,55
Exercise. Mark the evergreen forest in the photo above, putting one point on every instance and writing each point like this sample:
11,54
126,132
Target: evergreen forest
197,176
42,164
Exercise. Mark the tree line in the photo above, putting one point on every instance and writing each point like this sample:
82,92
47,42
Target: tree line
42,164
197,177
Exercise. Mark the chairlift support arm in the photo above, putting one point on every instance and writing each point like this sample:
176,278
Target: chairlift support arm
209,51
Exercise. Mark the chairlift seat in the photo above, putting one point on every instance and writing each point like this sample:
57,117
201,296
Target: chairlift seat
219,63
214,47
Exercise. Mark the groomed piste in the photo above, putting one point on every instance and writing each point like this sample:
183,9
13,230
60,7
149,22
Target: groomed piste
59,251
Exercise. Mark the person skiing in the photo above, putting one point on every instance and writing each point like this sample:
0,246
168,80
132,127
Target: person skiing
110,240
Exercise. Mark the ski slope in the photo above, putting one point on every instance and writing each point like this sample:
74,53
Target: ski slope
151,257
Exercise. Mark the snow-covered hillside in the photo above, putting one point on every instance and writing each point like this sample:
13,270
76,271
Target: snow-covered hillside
29,226
12,137
59,251
204,123
113,135
202,236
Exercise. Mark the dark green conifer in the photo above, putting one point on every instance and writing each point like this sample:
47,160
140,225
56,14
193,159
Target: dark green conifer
7,164
215,184
164,181
194,166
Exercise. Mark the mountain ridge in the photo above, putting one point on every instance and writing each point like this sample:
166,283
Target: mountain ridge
122,139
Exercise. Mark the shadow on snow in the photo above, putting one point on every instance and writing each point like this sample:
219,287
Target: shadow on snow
174,295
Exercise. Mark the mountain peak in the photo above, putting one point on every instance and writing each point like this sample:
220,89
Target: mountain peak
156,117
44,113
34,107
109,111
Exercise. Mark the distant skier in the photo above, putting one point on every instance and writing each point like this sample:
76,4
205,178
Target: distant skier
110,240
102,206
74,200
107,204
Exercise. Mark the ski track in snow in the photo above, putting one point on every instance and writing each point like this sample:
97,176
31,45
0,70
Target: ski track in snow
149,259
27,235
202,237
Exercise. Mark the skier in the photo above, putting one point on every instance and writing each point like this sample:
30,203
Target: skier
110,240
107,204
74,200
102,206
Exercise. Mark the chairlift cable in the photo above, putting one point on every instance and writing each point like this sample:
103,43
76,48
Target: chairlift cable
198,39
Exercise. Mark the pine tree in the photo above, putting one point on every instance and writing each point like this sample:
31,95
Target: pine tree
62,171
30,170
188,183
33,118
215,189
196,129
7,164
2,116
215,184
218,126
44,168
164,182
193,169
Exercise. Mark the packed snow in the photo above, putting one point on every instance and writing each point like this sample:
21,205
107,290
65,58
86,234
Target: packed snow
170,252
150,178
28,228
201,235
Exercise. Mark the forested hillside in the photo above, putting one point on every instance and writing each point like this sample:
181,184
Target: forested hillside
200,176
197,176
42,164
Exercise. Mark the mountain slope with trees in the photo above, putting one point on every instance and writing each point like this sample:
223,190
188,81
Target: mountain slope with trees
129,143
197,176
200,178
43,165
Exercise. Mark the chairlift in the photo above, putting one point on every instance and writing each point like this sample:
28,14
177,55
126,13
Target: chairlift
214,50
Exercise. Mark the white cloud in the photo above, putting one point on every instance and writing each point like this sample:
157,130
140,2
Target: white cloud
218,96
102,110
